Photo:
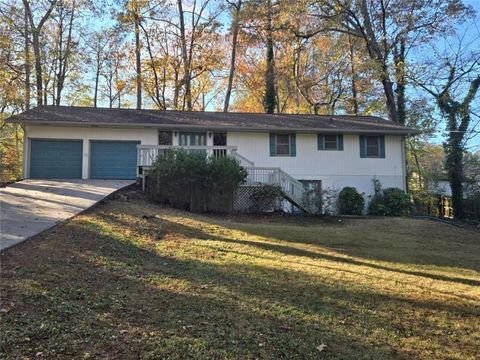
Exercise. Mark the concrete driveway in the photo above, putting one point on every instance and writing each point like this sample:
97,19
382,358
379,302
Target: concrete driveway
29,207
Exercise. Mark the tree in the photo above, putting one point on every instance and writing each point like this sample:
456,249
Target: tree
98,43
385,27
185,56
270,99
26,35
66,12
454,82
35,31
237,6
133,14
113,72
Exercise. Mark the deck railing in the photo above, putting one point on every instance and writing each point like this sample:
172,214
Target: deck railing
276,176
147,154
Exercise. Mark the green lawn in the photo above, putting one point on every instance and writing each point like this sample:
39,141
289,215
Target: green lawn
130,279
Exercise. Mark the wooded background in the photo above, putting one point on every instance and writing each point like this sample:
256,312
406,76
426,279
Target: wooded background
416,62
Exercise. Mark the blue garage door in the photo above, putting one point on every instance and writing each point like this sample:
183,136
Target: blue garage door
56,159
113,159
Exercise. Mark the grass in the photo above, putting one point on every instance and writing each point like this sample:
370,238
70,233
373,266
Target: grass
130,279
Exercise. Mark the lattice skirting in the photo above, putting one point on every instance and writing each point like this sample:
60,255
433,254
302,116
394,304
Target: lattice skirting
241,200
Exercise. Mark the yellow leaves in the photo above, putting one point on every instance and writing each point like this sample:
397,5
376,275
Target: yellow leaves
10,153
120,85
322,43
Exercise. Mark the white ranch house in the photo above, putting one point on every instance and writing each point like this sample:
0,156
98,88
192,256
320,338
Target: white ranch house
295,151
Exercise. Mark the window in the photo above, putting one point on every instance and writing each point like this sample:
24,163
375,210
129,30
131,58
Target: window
282,145
193,139
219,139
164,138
372,146
330,142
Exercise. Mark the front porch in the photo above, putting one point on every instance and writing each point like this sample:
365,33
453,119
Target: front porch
257,176
147,154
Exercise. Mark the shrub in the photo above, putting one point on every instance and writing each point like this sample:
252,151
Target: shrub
376,206
266,198
224,177
389,202
193,181
350,201
396,202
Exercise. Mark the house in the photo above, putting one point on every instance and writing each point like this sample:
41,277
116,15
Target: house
295,151
442,187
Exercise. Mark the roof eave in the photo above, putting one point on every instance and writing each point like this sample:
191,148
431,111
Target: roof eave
405,131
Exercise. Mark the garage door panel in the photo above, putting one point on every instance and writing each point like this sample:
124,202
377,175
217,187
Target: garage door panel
113,159
56,159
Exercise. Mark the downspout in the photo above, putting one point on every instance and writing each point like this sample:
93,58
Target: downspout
25,155
404,164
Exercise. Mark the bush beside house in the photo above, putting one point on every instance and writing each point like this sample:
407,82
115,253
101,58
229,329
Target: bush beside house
389,202
195,182
350,201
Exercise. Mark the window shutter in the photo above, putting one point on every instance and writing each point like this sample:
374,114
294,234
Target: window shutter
382,146
362,146
273,145
293,145
340,142
320,142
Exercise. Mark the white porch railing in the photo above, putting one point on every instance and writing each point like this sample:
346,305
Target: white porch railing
276,176
242,160
147,154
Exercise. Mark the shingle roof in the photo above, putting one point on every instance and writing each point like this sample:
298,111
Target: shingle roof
72,115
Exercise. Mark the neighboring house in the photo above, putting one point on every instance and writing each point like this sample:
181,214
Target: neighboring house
334,151
442,187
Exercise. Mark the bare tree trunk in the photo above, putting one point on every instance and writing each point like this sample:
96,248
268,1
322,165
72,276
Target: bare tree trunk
97,76
38,67
235,28
164,89
64,59
158,100
270,99
421,185
137,58
27,61
110,90
176,90
57,73
354,77
295,72
399,60
186,62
